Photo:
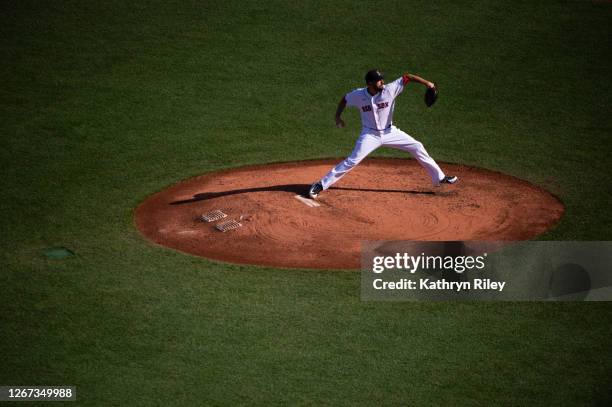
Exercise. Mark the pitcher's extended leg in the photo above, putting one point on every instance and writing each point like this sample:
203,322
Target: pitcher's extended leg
402,141
364,146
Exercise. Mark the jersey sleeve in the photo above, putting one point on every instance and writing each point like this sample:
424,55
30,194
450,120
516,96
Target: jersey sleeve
397,86
352,98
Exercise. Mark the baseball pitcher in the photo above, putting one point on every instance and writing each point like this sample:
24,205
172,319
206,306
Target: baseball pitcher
376,103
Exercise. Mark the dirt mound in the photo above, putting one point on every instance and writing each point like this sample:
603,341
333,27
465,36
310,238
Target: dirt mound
381,199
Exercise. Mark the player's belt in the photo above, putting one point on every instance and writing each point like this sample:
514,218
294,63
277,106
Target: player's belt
386,128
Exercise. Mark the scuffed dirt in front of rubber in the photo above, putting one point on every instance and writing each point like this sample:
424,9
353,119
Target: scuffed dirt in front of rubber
381,199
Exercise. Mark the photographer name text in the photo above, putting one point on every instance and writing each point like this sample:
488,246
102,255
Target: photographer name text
429,284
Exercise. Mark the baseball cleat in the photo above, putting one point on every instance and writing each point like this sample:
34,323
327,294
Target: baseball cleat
315,190
449,180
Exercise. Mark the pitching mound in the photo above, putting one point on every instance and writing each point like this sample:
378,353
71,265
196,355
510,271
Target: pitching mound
381,199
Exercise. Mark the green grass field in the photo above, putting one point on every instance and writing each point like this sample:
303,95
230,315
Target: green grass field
105,103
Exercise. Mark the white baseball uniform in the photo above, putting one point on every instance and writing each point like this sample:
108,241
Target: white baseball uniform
378,131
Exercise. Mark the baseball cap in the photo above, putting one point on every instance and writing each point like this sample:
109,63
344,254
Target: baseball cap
373,75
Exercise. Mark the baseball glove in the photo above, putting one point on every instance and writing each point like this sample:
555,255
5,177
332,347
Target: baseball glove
431,95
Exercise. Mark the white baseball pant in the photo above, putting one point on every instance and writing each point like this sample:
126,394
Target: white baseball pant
370,140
